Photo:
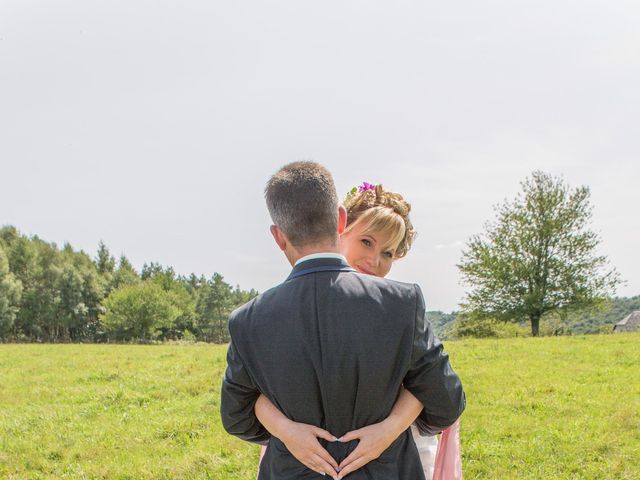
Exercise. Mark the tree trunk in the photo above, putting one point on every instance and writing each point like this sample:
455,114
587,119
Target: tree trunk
535,324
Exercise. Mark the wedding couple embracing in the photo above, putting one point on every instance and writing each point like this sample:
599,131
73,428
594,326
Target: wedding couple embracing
331,368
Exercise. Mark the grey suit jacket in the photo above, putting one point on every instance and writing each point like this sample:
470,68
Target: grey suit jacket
332,349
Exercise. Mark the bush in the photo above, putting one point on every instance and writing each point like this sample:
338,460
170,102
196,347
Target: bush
138,311
466,326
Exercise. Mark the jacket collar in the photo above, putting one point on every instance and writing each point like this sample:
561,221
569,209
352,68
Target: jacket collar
319,264
320,255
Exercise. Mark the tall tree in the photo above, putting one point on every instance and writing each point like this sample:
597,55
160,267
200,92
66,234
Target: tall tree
215,303
125,274
10,292
150,270
37,266
538,256
81,288
105,263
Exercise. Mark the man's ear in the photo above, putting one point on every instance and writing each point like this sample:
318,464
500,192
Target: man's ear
342,219
279,237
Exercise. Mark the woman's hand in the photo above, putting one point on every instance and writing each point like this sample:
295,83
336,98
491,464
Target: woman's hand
374,439
302,442
300,439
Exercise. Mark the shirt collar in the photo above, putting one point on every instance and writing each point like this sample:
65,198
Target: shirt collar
313,256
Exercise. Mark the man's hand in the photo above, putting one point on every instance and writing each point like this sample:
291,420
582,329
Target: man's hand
302,442
374,439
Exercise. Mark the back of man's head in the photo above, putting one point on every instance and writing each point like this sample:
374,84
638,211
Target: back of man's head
302,201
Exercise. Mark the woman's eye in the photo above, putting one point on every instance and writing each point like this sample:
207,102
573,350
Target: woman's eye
388,254
366,242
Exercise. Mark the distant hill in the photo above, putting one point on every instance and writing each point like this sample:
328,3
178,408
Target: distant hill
442,322
596,322
579,323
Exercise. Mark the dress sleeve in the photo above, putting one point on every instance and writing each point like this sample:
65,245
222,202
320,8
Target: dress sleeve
430,377
238,398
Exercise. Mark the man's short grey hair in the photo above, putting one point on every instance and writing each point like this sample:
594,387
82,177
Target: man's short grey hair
303,203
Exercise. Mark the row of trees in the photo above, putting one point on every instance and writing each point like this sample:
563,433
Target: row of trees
62,295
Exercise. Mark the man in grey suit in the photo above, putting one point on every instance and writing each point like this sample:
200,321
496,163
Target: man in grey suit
329,346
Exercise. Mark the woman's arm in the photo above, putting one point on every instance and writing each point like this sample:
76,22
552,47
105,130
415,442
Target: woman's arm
300,439
376,438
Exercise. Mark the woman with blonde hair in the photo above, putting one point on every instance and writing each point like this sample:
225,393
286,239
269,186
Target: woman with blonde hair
378,233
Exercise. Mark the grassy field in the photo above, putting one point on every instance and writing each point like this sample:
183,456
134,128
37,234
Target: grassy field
564,407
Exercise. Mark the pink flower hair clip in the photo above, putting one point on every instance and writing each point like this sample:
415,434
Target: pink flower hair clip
366,186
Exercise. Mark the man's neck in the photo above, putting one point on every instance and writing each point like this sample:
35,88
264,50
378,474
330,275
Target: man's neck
296,254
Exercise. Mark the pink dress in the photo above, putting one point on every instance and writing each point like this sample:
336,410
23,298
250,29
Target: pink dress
448,464
441,459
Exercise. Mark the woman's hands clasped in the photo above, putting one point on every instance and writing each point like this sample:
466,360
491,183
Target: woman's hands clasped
302,442
373,440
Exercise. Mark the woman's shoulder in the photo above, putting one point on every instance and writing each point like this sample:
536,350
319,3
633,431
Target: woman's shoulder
385,286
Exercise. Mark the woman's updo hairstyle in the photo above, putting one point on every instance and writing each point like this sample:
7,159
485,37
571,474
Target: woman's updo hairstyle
382,212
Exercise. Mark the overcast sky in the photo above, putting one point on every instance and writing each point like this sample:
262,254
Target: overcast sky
154,125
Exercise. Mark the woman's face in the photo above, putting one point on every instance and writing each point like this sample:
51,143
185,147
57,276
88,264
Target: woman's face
365,252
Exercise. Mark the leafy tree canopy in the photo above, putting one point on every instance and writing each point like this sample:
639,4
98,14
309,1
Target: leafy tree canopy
538,256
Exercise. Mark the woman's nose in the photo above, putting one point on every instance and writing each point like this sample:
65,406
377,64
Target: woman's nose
374,259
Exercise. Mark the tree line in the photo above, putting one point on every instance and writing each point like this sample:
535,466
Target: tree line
49,294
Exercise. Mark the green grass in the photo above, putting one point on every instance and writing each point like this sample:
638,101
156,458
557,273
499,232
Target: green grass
564,407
